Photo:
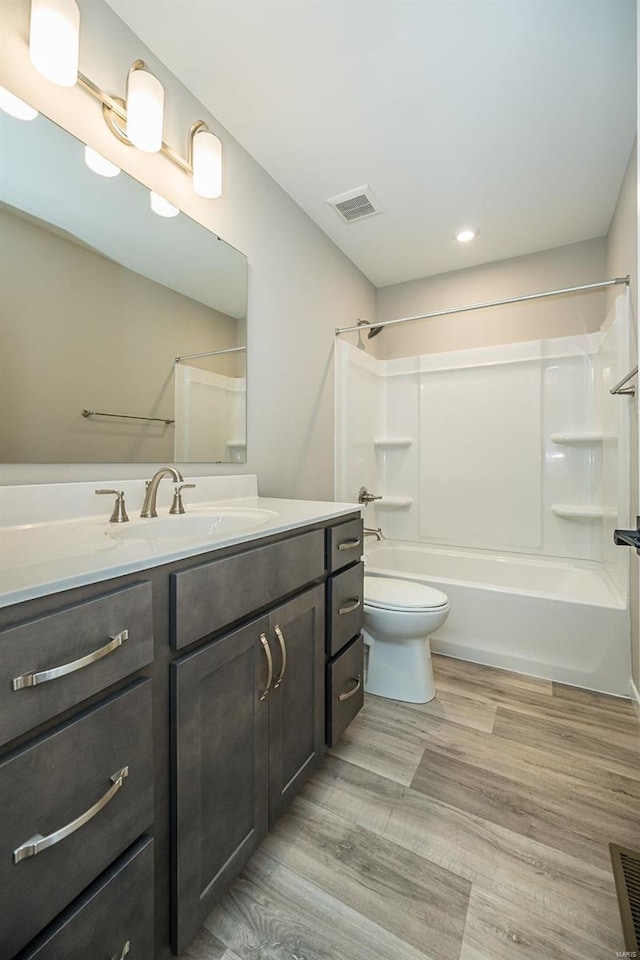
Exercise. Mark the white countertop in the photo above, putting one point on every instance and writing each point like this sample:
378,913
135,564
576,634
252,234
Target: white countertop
48,556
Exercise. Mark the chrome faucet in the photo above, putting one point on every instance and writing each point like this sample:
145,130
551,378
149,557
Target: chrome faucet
149,505
365,497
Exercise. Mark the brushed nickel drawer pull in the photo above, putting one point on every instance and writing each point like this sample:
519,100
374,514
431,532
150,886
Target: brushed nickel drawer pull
267,651
283,651
347,696
38,843
349,544
33,679
121,954
353,605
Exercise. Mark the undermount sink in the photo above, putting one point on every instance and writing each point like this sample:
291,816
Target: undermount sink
191,526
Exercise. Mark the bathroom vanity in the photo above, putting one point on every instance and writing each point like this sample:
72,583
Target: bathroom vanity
155,723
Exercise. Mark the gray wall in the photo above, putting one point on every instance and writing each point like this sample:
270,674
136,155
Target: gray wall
300,285
567,266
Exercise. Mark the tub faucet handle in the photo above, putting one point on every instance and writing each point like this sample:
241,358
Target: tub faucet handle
365,497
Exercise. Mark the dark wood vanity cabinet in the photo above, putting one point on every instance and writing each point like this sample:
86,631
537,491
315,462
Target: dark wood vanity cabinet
345,615
76,779
112,919
191,706
248,730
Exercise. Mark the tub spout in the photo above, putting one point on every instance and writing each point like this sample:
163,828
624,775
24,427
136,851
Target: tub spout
377,533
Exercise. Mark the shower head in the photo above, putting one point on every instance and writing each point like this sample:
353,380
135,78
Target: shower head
373,331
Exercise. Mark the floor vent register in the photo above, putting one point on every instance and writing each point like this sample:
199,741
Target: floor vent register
626,872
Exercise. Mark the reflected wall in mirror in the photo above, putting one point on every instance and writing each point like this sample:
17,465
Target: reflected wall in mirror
98,297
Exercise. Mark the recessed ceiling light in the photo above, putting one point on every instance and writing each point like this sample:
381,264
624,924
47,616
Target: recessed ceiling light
465,234
15,106
99,164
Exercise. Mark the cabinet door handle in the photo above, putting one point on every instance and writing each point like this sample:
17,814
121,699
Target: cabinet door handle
347,696
38,843
351,606
349,544
283,651
121,954
267,652
33,679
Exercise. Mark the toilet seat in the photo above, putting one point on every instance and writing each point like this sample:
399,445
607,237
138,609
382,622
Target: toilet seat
387,593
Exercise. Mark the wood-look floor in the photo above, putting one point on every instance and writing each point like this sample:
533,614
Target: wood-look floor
474,827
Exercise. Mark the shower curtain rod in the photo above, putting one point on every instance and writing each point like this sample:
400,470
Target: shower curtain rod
208,353
492,303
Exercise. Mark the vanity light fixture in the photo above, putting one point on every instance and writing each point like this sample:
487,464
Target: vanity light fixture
54,40
136,121
15,106
99,164
145,108
161,206
205,156
465,234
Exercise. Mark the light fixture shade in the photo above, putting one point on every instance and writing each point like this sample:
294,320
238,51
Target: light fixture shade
54,40
207,164
161,206
15,106
145,108
99,164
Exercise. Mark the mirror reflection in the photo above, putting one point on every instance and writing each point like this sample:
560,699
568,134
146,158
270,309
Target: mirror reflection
123,332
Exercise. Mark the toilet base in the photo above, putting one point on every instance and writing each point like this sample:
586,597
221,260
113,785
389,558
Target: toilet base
399,669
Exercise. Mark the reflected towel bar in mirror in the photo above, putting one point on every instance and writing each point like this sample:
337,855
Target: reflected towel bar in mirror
125,416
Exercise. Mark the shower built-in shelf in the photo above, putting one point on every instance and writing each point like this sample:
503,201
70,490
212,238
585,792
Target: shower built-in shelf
394,503
575,439
573,511
237,444
390,443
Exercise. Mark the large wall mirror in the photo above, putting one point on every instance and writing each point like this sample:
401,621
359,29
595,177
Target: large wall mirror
123,333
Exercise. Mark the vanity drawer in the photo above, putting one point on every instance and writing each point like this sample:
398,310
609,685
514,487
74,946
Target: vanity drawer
344,544
345,689
57,661
116,910
208,598
92,776
344,607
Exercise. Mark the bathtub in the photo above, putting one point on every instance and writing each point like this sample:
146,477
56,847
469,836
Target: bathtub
541,617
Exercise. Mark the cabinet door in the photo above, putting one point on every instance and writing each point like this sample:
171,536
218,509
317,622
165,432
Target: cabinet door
296,700
220,770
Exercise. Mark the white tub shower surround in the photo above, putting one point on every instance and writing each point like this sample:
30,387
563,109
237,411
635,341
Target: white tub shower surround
539,617
503,472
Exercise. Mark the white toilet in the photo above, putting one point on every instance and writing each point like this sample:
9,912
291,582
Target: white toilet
399,616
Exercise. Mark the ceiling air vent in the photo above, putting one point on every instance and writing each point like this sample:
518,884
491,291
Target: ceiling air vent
355,204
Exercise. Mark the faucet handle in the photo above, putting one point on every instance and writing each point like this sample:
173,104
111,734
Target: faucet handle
119,514
177,506
365,497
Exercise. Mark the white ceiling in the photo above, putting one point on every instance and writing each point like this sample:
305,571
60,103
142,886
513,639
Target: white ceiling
515,116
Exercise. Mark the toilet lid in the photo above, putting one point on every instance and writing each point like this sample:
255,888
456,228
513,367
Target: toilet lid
394,594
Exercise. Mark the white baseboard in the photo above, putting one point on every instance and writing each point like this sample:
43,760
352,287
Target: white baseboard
635,697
